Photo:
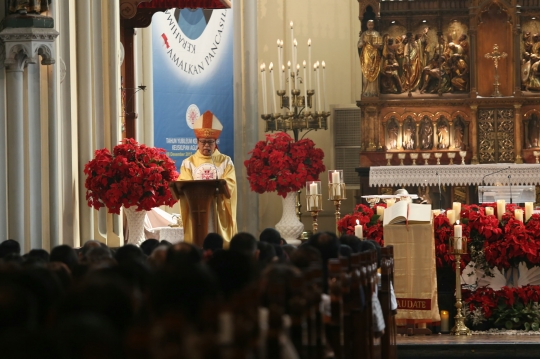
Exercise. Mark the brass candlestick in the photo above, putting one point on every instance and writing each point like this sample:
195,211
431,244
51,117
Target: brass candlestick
314,201
336,193
315,215
458,246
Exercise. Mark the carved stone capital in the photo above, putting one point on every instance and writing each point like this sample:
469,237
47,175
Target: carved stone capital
24,46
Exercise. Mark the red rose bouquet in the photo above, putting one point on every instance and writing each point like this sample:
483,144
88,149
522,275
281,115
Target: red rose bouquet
282,165
133,175
372,226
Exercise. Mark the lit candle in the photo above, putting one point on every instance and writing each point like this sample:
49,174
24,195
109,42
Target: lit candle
279,63
390,202
458,233
457,209
518,214
489,211
528,210
288,75
292,42
445,324
380,212
435,212
450,214
336,186
282,67
309,63
501,208
313,188
296,76
358,230
283,76
273,93
318,87
314,198
305,81
263,85
324,86
295,61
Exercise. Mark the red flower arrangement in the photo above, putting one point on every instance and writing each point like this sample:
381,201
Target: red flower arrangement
372,226
133,175
282,165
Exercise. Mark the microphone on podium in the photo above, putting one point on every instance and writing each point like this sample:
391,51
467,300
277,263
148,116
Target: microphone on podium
489,174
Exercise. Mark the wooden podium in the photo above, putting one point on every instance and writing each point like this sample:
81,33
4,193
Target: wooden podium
199,195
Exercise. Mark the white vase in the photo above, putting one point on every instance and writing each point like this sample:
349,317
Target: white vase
135,224
289,226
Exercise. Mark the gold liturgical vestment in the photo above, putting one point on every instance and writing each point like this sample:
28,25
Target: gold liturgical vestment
200,167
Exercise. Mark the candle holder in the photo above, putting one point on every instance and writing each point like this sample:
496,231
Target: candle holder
438,156
451,156
336,192
462,154
426,157
314,201
401,157
372,200
536,155
389,158
388,198
414,157
457,247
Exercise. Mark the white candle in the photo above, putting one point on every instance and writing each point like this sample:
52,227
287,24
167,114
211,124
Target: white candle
358,230
435,212
309,63
335,177
380,212
457,209
318,88
305,81
489,211
273,93
450,214
283,67
445,325
283,76
263,85
336,184
324,86
458,234
289,74
295,61
292,42
528,210
501,208
313,188
279,63
390,202
518,214
313,193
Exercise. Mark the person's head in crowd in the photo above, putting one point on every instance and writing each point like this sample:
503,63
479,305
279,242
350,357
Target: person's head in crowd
281,255
306,256
377,247
64,254
345,251
129,253
351,241
289,249
183,252
158,257
245,243
165,242
184,289
99,257
38,255
88,245
267,254
270,235
9,246
149,245
234,271
13,260
19,305
278,284
62,272
327,243
213,242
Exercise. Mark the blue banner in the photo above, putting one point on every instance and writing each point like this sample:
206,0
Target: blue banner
193,73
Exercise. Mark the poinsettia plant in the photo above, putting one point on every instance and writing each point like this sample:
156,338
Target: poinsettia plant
371,223
132,175
282,165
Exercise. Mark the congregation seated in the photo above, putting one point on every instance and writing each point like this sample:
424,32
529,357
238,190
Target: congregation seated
249,300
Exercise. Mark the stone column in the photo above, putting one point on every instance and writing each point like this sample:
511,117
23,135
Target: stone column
518,139
474,135
517,55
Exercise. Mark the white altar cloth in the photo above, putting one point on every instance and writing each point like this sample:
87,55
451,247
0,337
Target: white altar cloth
454,175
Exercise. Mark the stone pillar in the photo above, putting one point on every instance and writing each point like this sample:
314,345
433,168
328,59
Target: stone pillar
518,139
517,55
474,135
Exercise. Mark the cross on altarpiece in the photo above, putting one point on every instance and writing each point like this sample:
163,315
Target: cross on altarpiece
496,56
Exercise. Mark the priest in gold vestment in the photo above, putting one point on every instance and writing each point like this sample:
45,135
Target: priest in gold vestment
209,164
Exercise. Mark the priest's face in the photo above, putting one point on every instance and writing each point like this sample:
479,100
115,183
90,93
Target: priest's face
206,146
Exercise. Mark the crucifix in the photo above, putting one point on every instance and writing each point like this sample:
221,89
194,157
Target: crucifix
496,56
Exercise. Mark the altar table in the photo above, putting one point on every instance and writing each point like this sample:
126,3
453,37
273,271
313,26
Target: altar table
454,175
415,277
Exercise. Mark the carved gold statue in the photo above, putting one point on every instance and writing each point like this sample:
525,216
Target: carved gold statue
369,44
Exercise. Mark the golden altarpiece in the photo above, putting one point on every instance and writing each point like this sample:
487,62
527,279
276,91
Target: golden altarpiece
444,76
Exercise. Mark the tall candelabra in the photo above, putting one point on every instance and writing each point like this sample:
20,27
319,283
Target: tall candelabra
314,201
458,246
336,192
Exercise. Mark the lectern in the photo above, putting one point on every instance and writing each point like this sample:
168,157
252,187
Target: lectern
199,195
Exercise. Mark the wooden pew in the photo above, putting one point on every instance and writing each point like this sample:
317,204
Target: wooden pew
389,346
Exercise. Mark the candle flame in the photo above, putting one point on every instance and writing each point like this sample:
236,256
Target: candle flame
291,24
358,222
298,66
262,68
315,66
457,222
304,63
289,64
278,42
323,65
271,66
281,43
309,42
283,68
295,43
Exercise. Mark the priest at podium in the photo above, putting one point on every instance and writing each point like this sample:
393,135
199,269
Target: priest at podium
209,164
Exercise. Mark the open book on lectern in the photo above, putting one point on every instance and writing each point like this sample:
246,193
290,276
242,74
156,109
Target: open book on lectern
411,213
